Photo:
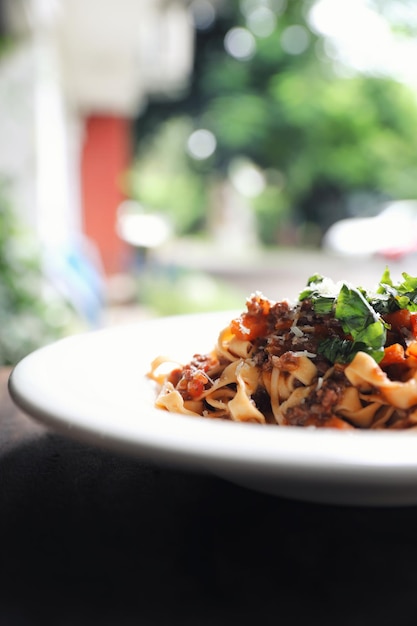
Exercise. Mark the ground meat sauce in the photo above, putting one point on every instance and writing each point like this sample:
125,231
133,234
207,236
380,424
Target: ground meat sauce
282,346
294,329
192,379
318,407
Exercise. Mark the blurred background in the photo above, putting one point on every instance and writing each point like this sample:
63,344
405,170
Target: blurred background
170,156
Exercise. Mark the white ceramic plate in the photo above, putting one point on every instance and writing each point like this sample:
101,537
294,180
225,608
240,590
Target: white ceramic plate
93,387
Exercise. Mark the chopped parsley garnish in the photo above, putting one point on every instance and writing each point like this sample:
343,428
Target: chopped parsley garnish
359,313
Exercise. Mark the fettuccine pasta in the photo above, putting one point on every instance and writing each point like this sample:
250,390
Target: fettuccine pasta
338,357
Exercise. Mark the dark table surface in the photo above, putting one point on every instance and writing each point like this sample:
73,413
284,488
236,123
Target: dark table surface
89,537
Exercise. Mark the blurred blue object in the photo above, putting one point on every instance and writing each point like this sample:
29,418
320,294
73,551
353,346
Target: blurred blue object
76,272
392,233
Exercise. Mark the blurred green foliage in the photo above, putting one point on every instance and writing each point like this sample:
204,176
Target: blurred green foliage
319,137
30,315
182,291
164,180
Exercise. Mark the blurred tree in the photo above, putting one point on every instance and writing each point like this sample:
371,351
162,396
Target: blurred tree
265,88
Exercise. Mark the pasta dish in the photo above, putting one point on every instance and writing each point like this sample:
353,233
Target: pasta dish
338,357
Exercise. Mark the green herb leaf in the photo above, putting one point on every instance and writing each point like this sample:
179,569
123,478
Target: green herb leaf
359,320
337,350
353,310
323,304
385,280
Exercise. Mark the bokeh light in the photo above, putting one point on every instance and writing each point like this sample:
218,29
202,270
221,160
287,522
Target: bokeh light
240,43
247,178
261,21
203,14
201,144
295,39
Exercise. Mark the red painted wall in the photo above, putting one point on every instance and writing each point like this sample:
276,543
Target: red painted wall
106,155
